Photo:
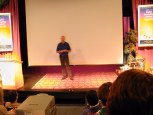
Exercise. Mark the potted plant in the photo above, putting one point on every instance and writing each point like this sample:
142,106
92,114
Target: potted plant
130,46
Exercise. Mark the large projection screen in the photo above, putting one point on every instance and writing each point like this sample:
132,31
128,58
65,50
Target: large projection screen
93,29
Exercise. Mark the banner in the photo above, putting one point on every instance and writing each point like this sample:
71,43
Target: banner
5,32
145,25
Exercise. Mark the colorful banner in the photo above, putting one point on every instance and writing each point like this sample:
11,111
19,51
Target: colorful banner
5,32
145,25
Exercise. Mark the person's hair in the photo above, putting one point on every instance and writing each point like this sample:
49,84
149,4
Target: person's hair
62,36
12,96
131,94
103,92
1,96
92,98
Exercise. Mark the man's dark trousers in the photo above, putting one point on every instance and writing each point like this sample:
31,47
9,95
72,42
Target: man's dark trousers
65,66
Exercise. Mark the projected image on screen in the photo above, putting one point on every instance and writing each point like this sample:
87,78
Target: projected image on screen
93,28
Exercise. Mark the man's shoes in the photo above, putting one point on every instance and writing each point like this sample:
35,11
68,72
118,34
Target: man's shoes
64,77
71,78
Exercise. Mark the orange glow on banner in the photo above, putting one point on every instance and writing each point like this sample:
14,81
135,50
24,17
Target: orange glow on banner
5,32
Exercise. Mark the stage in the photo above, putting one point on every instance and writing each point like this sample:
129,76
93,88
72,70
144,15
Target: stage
85,78
82,81
48,80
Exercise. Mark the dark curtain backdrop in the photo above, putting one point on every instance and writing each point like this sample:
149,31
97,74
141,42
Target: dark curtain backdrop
126,26
146,53
12,7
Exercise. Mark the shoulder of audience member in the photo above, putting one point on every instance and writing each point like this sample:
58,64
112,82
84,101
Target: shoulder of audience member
3,111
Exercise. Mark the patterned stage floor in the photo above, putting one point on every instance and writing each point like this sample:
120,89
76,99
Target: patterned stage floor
81,81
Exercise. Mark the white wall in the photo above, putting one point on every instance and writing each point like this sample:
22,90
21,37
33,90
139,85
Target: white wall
93,29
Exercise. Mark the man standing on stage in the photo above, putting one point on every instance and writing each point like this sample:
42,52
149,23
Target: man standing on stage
63,49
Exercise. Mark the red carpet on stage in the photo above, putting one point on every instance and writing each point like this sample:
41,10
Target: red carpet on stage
80,82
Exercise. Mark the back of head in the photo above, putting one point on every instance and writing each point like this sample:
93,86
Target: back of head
103,92
92,98
131,94
12,96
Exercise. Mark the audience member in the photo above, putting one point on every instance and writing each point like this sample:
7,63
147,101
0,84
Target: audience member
103,92
3,110
93,105
131,94
12,97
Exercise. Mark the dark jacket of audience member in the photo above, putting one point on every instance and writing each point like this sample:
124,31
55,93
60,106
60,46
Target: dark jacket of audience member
93,105
103,92
3,110
12,97
131,94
